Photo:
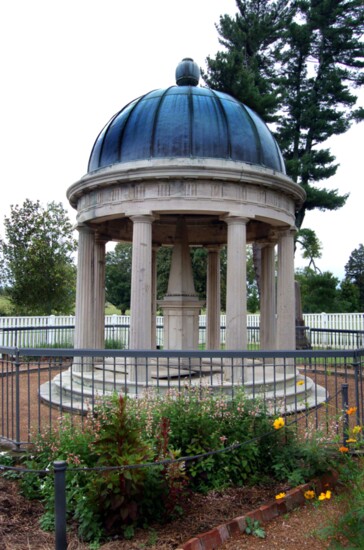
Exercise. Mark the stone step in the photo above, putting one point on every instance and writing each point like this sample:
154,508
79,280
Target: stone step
75,390
288,394
108,380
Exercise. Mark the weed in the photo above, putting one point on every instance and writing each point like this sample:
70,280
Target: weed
254,528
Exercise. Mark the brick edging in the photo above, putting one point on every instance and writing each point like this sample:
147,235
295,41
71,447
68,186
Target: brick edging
210,540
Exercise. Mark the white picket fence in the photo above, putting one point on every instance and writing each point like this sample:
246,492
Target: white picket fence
35,331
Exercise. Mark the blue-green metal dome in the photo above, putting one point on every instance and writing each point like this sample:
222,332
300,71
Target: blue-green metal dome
186,121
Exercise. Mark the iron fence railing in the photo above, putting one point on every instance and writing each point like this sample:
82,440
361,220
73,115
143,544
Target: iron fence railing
39,385
60,468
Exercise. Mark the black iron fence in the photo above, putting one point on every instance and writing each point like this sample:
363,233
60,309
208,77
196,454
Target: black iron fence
61,467
39,385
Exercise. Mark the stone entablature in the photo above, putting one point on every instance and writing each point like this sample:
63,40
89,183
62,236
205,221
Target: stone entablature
201,186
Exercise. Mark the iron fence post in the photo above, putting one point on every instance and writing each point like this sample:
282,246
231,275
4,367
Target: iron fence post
345,405
17,399
60,503
358,382
357,398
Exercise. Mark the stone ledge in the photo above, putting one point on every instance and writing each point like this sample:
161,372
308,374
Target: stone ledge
213,539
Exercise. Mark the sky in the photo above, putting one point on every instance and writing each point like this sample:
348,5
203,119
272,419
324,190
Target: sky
67,67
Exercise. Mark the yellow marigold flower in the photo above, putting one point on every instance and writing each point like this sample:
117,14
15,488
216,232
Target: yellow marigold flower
328,494
300,383
278,423
322,496
343,449
351,410
357,430
280,495
351,440
309,494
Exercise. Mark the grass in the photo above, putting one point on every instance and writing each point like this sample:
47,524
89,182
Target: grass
5,306
110,309
349,527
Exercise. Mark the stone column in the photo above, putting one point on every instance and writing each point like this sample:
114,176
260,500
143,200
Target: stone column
141,283
84,325
154,298
99,293
236,310
268,299
286,329
213,295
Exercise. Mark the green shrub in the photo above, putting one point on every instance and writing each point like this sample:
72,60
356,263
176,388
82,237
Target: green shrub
240,442
202,422
113,343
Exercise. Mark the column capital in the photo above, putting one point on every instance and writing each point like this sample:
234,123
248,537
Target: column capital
213,247
285,231
83,228
142,218
230,220
269,241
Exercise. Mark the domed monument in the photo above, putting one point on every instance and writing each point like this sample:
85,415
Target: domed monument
187,166
179,167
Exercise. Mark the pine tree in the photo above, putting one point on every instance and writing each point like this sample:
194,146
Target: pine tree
320,64
354,272
247,68
296,62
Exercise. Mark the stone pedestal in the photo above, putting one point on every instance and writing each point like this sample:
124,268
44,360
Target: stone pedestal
181,319
181,306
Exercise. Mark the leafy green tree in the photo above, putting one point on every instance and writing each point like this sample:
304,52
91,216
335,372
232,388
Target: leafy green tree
296,62
38,259
322,292
311,246
319,291
349,297
164,258
354,272
118,276
199,268
223,269
251,283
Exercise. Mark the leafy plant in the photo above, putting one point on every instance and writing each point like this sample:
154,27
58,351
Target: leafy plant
116,493
254,528
240,442
349,527
114,343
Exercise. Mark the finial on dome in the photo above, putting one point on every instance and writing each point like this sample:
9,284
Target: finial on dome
187,73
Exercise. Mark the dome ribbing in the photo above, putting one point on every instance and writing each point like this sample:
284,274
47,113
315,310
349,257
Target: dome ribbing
186,121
